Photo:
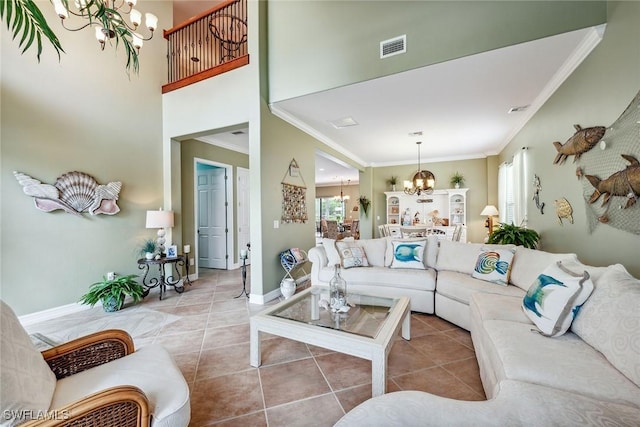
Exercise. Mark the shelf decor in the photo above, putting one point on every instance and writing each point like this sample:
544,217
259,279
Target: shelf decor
294,195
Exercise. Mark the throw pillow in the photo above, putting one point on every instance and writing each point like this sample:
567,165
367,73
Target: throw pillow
408,254
555,297
494,265
333,257
351,254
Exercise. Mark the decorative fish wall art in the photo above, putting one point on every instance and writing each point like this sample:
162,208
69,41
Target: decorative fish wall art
625,183
563,210
73,192
537,187
581,142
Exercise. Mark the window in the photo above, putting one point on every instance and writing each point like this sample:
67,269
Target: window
329,208
512,190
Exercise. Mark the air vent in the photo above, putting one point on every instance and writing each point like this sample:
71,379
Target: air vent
394,46
343,122
237,132
518,109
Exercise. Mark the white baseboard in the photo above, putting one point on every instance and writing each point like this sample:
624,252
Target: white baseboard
263,299
52,313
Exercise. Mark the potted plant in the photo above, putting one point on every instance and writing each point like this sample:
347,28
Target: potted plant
111,292
457,180
392,182
364,204
148,248
514,234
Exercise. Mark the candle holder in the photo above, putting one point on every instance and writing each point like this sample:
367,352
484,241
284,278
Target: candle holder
186,250
244,254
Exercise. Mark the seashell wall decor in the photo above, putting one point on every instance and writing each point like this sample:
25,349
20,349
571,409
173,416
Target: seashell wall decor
73,192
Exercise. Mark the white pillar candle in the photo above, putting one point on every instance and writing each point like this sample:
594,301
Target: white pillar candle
243,253
186,249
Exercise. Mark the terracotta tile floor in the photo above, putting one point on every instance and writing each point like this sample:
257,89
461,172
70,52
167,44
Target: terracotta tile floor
207,332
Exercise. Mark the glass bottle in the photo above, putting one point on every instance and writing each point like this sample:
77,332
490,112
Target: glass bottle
337,290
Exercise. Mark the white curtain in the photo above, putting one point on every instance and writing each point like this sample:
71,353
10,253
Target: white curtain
513,190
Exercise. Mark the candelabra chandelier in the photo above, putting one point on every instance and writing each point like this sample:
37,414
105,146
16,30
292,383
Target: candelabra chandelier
423,181
106,17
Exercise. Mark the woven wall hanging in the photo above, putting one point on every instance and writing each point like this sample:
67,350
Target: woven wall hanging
294,195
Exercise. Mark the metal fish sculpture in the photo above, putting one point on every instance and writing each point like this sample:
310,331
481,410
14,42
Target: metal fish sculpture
536,295
407,252
489,262
73,192
622,183
563,210
581,142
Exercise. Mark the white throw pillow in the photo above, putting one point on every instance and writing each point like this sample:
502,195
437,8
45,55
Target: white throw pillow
610,320
27,381
333,256
554,298
494,265
375,250
408,254
351,254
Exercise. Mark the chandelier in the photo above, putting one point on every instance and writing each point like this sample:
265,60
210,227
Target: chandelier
423,181
106,17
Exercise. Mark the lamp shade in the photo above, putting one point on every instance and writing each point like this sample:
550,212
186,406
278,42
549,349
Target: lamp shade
489,210
159,219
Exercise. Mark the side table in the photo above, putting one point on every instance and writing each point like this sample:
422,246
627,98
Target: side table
163,281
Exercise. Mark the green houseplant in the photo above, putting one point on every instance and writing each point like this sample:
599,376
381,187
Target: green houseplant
111,292
392,182
364,204
457,180
513,234
148,248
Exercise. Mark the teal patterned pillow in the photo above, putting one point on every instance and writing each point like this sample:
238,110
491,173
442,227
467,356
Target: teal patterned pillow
494,265
408,254
555,297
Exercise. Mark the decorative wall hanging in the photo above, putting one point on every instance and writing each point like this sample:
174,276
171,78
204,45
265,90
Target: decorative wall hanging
294,196
73,192
613,174
581,142
364,204
536,193
563,210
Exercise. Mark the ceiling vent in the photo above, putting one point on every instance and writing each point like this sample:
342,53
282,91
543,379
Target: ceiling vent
517,109
394,46
237,132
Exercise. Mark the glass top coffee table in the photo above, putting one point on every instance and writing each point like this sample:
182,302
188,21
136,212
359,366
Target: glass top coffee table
367,330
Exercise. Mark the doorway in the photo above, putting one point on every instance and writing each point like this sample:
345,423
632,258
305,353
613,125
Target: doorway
214,214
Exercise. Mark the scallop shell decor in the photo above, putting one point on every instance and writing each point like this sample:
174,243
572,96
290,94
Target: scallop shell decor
73,192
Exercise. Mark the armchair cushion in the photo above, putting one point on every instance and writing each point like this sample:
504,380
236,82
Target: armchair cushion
151,369
27,381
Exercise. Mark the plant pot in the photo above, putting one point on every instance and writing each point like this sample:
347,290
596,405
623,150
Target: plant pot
457,185
148,255
288,288
112,304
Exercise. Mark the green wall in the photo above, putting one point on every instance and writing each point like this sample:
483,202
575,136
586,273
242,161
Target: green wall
190,150
595,94
319,45
67,115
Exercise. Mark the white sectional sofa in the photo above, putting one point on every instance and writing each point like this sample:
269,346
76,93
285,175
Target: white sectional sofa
589,375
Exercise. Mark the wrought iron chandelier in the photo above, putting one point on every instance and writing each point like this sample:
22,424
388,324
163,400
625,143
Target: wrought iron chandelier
423,181
106,17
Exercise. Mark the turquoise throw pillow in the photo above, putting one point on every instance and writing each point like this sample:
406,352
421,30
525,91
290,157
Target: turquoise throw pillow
494,265
408,254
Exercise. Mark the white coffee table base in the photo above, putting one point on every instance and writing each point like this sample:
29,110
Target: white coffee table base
374,349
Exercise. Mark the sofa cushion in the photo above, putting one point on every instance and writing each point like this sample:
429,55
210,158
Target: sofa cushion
375,250
430,252
461,257
494,265
485,306
610,320
27,381
529,263
460,286
333,257
517,352
554,298
351,254
151,369
408,254
383,276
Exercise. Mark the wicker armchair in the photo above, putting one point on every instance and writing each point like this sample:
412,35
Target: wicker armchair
95,380
116,406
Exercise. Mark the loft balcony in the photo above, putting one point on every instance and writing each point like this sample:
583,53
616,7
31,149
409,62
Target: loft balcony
206,45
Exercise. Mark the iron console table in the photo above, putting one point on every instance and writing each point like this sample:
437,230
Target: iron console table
163,281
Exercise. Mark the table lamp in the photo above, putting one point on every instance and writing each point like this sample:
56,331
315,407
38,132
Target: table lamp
160,219
490,211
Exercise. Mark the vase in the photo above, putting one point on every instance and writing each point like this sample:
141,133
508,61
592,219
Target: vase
112,304
457,185
337,290
288,288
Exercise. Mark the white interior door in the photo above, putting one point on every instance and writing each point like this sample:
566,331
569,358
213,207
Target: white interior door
212,216
244,210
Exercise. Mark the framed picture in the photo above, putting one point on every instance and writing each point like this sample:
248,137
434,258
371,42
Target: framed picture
172,251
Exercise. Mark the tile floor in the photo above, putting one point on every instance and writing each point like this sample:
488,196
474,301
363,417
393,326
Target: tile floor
207,331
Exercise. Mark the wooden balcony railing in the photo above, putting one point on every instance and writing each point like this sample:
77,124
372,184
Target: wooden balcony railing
208,44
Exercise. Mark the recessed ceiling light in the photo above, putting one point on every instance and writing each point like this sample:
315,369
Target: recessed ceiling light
518,109
321,169
343,122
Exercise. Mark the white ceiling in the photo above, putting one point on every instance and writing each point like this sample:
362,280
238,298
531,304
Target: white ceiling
461,107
